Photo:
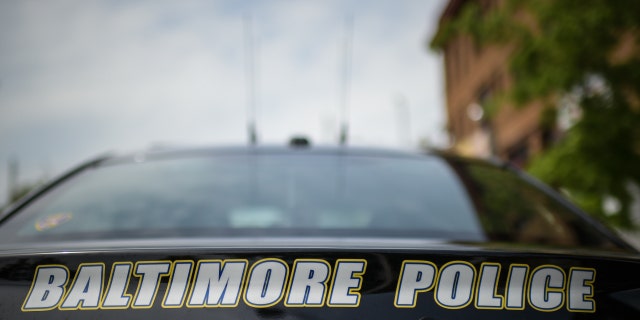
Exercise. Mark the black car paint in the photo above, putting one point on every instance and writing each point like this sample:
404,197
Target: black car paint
614,295
616,284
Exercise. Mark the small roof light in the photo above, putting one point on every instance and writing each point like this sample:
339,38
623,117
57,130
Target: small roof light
298,142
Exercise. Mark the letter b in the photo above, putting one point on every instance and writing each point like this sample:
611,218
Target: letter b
47,288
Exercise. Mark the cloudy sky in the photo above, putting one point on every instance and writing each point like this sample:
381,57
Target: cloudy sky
79,78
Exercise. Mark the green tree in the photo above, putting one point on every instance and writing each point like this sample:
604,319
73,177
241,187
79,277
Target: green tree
585,49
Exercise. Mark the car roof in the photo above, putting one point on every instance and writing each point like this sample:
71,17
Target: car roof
335,150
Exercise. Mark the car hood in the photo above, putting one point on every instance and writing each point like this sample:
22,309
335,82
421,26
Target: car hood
314,278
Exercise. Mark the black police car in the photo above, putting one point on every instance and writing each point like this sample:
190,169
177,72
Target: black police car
308,233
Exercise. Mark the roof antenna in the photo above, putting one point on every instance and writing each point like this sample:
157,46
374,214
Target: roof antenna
250,80
345,76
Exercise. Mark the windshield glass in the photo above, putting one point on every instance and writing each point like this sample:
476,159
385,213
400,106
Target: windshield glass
299,195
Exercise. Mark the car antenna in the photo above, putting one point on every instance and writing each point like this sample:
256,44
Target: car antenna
250,80
345,77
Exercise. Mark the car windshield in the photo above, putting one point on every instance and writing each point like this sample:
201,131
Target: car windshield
299,194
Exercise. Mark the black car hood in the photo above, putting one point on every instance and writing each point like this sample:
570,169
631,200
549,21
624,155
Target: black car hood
315,278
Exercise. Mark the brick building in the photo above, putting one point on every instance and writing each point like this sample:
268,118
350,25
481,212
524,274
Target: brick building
474,75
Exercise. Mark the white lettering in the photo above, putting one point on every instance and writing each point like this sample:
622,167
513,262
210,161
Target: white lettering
178,284
581,290
47,288
347,280
486,296
415,277
546,288
86,289
116,296
515,286
266,283
217,284
455,285
150,273
311,283
308,283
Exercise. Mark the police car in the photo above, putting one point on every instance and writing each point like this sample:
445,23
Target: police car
308,233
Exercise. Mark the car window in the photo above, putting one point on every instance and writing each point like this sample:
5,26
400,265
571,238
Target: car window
363,195
301,194
511,210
